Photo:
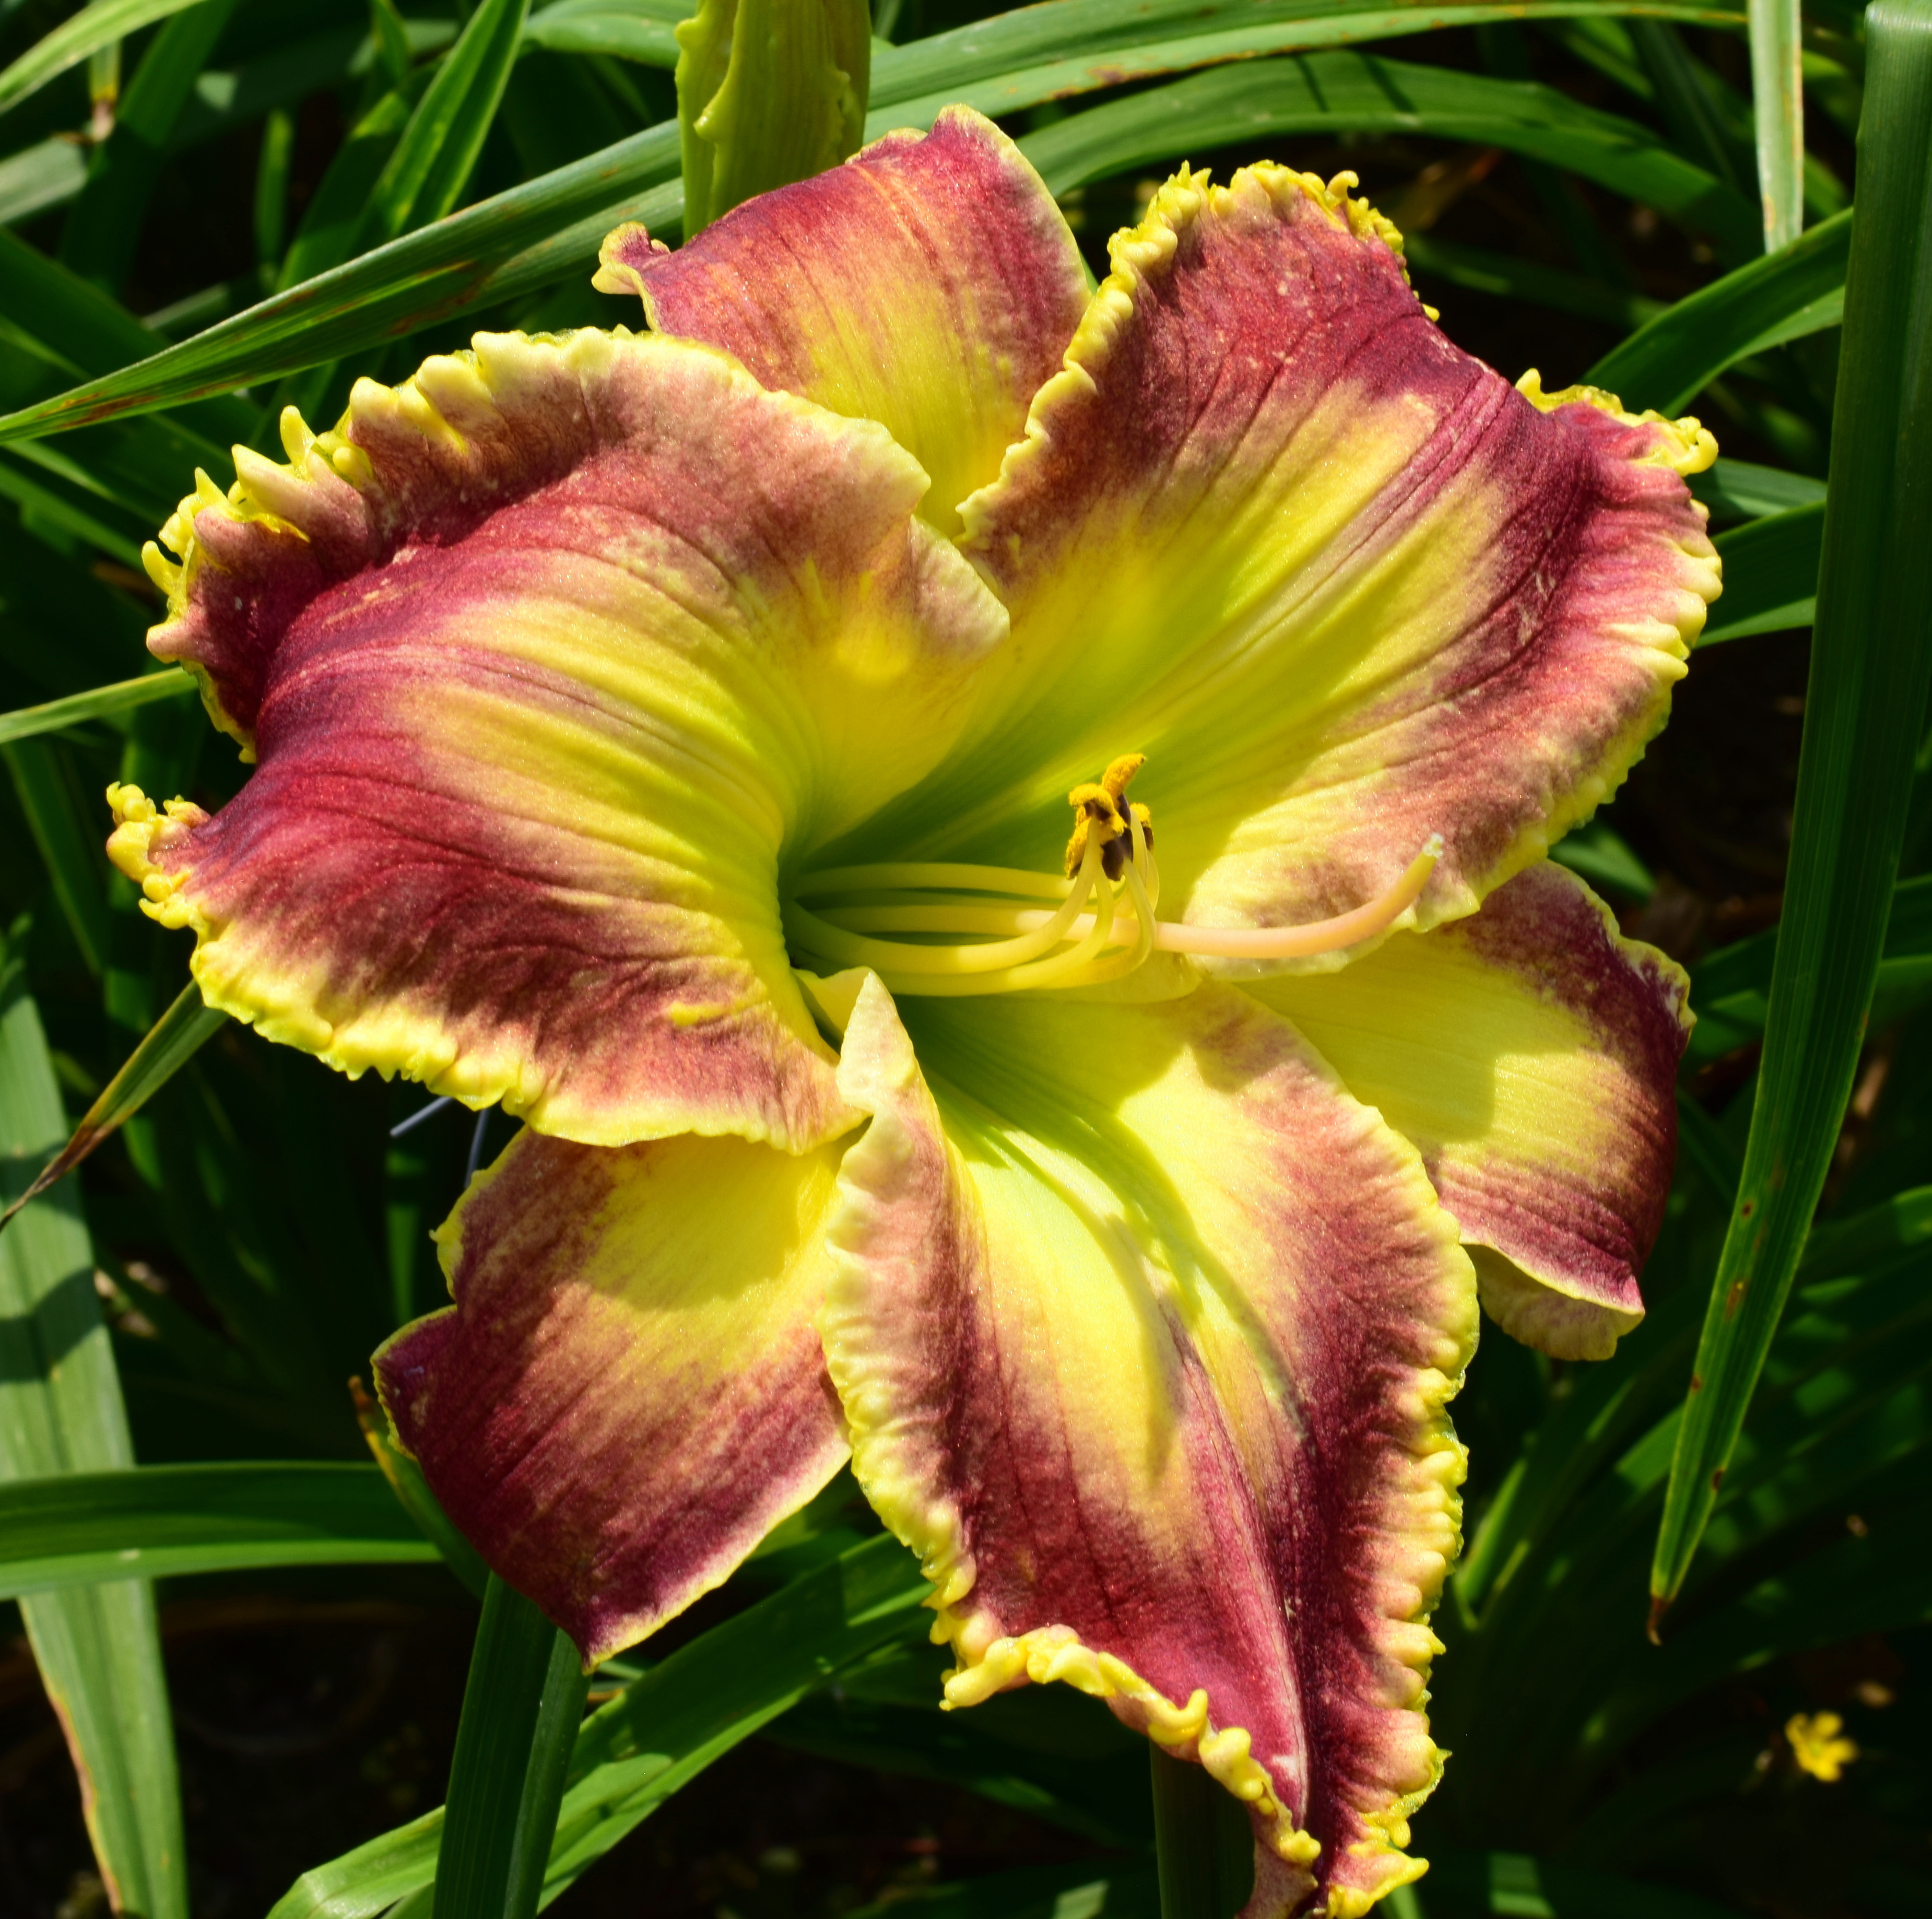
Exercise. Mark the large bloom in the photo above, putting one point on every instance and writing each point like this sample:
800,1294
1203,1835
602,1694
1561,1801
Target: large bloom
670,736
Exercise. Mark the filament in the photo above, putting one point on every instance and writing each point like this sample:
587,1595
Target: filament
961,944
844,941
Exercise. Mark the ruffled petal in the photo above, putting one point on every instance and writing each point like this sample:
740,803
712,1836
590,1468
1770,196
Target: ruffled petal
1343,585
628,1392
1530,1052
929,283
1143,1330
550,659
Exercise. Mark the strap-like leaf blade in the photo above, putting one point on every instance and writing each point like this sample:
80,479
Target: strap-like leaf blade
1871,660
521,1713
54,715
60,1414
1362,93
1666,362
666,1728
73,39
174,1039
158,1522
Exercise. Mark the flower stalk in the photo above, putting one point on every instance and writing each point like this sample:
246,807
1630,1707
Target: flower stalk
769,91
1203,1845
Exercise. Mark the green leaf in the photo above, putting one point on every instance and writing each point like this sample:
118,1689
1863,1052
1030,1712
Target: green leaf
521,1713
1798,289
1778,108
70,501
1362,94
630,29
1702,1141
61,630
1598,854
173,1040
708,1696
124,696
284,73
1874,1584
60,1414
73,40
431,165
1730,987
73,864
1900,1224
1771,575
666,1728
412,1493
39,177
329,223
1561,1645
1612,1405
1067,47
271,189
504,248
423,170
102,229
1823,1431
1086,1772
1736,489
1871,660
392,39
1204,1845
500,248
158,1521
92,333
1681,90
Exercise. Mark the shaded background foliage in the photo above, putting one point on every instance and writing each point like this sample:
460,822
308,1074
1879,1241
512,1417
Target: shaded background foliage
1568,176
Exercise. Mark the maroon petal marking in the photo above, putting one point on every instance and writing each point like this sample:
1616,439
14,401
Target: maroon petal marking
929,283
1144,1328
549,658
628,1392
1344,586
1531,1053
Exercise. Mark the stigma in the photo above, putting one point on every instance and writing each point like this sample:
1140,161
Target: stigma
984,929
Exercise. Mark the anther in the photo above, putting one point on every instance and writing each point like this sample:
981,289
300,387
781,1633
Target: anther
968,940
1103,810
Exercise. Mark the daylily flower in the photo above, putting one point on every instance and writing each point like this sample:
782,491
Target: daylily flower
670,737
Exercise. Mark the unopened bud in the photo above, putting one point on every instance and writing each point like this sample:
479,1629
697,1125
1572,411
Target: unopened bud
769,91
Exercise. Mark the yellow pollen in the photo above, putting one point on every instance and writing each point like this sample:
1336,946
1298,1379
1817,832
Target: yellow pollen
974,934
1099,803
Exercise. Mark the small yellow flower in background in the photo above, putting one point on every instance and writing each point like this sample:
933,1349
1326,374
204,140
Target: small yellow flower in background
1818,1745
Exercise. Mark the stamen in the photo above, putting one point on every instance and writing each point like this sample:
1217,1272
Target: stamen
844,943
1070,969
1315,937
961,946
